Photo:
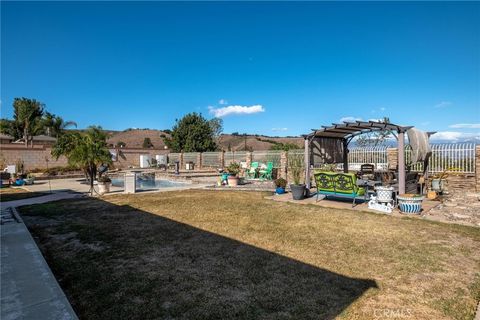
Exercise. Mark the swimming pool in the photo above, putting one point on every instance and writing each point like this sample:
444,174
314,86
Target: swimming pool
149,184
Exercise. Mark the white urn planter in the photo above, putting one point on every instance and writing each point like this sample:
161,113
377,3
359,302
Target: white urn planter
104,187
384,193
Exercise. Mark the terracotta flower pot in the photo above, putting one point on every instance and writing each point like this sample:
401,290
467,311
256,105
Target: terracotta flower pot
233,181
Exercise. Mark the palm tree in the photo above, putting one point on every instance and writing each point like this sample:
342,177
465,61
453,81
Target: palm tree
27,114
86,150
55,125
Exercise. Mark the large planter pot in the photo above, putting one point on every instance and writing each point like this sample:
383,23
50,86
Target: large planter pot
29,181
104,187
298,191
410,203
233,181
384,193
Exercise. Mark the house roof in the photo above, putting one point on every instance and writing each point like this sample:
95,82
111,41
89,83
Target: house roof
44,138
347,130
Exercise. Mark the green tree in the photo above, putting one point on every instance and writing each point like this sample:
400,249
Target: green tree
147,143
192,133
86,150
54,125
27,114
10,127
216,124
376,138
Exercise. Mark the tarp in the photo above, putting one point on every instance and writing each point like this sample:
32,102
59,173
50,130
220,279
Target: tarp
326,150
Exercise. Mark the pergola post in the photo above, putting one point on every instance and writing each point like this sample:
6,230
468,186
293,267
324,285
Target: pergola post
401,162
345,156
307,164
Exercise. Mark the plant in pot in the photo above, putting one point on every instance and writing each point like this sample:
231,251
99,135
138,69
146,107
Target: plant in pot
233,169
410,203
104,183
385,191
281,184
438,181
295,166
30,179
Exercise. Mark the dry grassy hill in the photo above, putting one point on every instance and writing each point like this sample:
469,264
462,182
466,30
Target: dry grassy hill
133,138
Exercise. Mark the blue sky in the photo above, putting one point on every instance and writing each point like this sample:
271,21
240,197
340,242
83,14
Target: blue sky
268,68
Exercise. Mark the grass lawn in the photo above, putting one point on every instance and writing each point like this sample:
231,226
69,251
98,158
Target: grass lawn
10,194
224,255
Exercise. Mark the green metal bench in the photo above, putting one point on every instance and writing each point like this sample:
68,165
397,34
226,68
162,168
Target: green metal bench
339,185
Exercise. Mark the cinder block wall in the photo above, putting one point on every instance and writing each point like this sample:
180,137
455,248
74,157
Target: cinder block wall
35,158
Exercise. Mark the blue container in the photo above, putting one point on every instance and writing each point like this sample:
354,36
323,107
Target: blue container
410,204
280,190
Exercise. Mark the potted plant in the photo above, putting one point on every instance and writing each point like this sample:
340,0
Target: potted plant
280,183
30,179
233,169
410,203
295,166
438,181
104,183
385,191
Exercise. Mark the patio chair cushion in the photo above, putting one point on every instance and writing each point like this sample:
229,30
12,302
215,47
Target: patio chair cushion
338,183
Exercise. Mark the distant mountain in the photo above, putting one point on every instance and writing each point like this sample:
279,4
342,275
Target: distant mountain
133,138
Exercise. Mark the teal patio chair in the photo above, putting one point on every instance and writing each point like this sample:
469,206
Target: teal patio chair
267,172
252,171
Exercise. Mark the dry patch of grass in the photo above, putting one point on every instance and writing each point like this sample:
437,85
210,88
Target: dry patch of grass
10,194
219,255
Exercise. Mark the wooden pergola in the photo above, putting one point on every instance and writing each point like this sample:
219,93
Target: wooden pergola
345,132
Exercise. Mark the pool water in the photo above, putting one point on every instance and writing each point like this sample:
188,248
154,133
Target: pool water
149,184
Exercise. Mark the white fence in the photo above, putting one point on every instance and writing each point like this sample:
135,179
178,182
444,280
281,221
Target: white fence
458,157
375,155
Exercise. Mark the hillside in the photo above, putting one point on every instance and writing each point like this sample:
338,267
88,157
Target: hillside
134,139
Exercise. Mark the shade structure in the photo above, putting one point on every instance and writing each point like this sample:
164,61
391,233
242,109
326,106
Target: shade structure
344,133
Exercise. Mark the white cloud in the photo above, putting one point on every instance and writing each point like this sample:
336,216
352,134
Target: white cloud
225,111
465,126
222,102
376,120
350,119
455,136
443,104
279,129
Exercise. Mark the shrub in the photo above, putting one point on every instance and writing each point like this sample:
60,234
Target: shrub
233,168
295,165
280,183
104,179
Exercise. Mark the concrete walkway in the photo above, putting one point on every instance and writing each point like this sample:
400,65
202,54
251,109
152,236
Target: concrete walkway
28,288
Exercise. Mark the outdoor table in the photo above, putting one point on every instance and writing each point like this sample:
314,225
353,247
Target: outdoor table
368,185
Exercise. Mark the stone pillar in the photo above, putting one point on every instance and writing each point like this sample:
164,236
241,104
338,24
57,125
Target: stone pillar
222,159
182,163
130,183
477,168
392,158
248,159
282,171
199,160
